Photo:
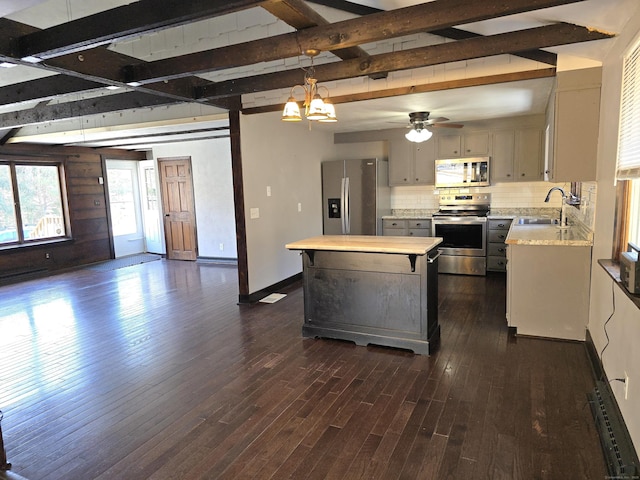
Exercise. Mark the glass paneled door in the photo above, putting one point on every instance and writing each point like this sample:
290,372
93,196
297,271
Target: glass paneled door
151,214
124,202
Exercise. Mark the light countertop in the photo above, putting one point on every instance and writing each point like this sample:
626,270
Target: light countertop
368,243
542,234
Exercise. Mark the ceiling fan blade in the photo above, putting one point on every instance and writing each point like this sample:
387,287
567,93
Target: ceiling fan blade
437,119
446,125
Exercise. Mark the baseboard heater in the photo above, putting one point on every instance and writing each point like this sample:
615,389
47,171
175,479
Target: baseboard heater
620,455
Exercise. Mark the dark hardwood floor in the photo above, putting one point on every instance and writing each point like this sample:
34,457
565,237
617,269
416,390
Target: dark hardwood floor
154,372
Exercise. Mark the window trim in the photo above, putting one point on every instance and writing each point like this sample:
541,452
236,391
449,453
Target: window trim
60,163
621,219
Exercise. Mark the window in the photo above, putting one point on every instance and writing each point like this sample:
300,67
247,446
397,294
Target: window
628,162
634,212
31,202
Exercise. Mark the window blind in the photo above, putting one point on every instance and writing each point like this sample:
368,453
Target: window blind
628,164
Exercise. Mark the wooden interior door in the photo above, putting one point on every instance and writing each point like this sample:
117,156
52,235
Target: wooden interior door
178,208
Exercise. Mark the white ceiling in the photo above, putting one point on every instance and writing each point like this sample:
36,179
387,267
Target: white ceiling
459,105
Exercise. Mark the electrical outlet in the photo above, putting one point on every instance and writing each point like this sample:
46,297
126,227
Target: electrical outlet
299,207
626,385
222,246
47,255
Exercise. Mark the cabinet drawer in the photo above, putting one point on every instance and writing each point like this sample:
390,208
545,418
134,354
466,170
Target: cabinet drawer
419,224
497,250
496,264
401,232
393,223
498,236
419,232
500,224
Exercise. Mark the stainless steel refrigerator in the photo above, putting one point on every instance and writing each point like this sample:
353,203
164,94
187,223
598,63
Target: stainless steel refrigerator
355,196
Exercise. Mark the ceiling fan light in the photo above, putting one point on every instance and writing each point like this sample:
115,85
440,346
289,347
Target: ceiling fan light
418,136
291,112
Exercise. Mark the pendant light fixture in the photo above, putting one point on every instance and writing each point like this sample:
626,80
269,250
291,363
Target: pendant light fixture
316,108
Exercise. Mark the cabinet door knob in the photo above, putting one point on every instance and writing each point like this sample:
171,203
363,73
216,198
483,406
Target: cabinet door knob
522,174
501,225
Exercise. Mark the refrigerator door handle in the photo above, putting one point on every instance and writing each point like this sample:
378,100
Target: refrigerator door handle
342,216
347,215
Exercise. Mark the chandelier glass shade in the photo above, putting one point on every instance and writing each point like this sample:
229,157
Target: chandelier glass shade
316,108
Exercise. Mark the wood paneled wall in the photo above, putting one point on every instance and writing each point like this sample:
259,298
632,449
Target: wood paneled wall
88,213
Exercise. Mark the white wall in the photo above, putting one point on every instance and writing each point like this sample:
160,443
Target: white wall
213,193
622,353
285,157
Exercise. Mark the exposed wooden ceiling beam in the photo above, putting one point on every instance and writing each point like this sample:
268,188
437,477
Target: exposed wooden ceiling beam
45,88
348,33
427,87
300,16
452,33
537,55
345,6
504,43
100,65
144,16
108,103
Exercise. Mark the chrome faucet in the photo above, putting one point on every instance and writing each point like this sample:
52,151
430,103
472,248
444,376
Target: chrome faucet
563,219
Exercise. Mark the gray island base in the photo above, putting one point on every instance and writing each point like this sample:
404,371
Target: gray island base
371,290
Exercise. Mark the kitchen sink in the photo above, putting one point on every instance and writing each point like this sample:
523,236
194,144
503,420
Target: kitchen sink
538,221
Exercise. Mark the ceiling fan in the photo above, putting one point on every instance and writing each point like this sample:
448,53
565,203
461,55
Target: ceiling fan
419,121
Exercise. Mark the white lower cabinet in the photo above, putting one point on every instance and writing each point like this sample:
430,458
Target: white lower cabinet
548,290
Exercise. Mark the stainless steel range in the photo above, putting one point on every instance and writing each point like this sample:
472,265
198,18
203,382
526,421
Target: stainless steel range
462,223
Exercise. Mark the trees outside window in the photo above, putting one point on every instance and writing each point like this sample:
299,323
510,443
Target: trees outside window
31,207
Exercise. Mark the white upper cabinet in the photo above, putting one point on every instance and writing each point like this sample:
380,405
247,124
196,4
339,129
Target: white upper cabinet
468,145
573,116
411,163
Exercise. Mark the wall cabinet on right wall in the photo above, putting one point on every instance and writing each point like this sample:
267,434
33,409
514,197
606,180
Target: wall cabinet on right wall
572,126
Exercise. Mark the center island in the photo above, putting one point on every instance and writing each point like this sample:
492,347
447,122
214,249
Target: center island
371,290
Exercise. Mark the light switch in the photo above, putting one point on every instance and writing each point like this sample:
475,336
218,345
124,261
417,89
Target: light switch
255,213
299,207
268,191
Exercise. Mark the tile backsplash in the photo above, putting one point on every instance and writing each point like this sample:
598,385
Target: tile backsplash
504,196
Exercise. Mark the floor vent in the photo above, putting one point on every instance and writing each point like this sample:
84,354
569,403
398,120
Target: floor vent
620,455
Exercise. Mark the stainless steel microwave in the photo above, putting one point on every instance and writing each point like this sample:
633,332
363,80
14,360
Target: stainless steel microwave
462,172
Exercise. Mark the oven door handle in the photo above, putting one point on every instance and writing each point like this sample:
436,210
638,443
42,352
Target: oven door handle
434,258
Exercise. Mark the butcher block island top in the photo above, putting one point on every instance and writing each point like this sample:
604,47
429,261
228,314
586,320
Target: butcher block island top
368,244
